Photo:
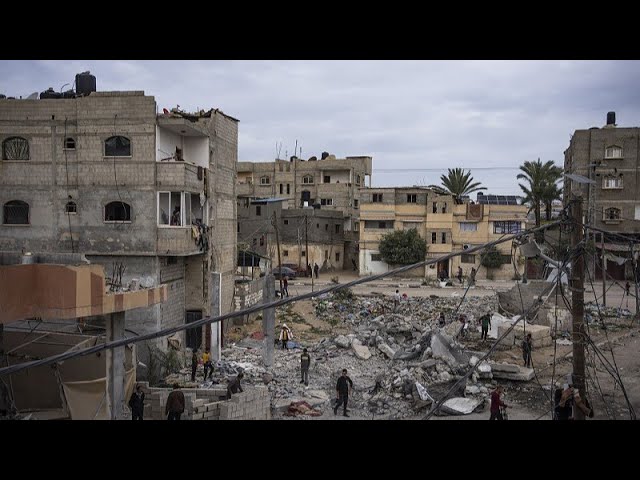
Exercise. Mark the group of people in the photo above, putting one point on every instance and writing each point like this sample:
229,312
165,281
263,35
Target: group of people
315,270
442,276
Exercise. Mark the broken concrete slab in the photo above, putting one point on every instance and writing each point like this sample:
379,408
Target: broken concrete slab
512,372
387,350
504,367
484,370
460,405
342,341
361,351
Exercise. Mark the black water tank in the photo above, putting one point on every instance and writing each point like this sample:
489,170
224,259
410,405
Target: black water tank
50,93
324,155
3,96
611,118
69,94
85,83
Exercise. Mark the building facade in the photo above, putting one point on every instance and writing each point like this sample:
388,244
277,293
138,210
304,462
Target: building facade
150,197
330,183
445,225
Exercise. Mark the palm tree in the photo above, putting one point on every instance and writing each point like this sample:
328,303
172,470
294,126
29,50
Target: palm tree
459,183
541,187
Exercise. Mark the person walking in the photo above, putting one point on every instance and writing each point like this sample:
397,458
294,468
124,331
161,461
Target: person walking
285,336
496,403
527,347
316,270
285,287
485,322
234,385
305,361
309,270
194,364
343,388
459,274
175,404
208,364
472,277
136,403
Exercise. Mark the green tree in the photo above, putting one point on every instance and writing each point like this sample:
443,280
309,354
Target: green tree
402,247
459,183
541,187
492,258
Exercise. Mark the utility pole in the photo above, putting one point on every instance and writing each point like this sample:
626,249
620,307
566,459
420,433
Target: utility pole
274,222
306,246
577,300
604,273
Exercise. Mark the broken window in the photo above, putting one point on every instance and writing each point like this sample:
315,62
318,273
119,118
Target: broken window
285,253
327,179
117,212
117,147
435,207
71,207
612,214
15,148
286,222
70,143
16,212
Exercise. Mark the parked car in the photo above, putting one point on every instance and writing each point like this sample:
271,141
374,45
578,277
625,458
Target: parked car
300,270
284,272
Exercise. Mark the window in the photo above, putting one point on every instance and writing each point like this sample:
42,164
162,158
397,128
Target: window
337,256
443,237
258,211
412,225
378,224
612,214
117,147
356,203
15,148
281,189
317,225
505,259
356,227
377,198
265,180
262,241
358,180
444,208
70,143
326,227
337,228
288,188
307,180
507,227
238,227
16,212
172,260
169,208
327,179
464,258
434,237
117,212
71,208
468,227
610,182
286,222
326,201
435,207
376,257
285,253
412,198
304,253
613,151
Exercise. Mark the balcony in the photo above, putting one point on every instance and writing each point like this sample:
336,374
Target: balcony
180,176
177,241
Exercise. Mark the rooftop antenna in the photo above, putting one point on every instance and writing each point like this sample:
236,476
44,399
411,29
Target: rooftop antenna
295,151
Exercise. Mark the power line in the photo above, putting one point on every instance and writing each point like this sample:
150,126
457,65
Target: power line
276,303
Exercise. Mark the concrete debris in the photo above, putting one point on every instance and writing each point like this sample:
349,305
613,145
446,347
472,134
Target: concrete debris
460,406
564,341
342,341
387,350
508,371
361,351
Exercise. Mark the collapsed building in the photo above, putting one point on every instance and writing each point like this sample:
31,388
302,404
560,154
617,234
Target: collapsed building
151,197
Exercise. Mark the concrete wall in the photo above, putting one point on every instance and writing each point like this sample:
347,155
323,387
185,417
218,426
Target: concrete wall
322,254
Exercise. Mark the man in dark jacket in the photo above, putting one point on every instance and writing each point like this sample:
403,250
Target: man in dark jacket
527,346
234,385
496,403
485,322
343,387
316,269
136,403
175,404
305,361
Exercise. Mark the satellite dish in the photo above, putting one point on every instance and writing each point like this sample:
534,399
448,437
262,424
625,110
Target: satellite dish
33,96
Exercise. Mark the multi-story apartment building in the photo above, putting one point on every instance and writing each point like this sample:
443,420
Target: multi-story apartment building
610,158
150,197
446,225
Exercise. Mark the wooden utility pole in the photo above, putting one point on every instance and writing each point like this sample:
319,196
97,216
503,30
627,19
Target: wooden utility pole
274,222
604,273
577,300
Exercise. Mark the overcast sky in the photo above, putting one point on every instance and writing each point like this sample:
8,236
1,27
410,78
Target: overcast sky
414,118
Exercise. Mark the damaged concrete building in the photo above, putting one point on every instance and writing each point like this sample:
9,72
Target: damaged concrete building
446,225
149,196
330,183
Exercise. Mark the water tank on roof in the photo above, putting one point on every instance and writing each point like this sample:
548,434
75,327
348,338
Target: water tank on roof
50,93
85,83
611,118
324,155
3,96
69,94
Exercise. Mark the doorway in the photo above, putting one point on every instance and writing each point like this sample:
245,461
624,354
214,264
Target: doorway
194,335
443,268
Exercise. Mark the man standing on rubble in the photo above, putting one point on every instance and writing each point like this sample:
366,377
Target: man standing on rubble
305,361
527,346
459,273
316,270
206,360
496,403
285,336
396,300
175,404
343,388
485,322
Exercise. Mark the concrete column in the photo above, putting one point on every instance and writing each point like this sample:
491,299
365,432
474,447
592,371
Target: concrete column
216,310
268,320
115,366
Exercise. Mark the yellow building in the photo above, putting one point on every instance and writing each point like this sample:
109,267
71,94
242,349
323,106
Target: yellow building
446,226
